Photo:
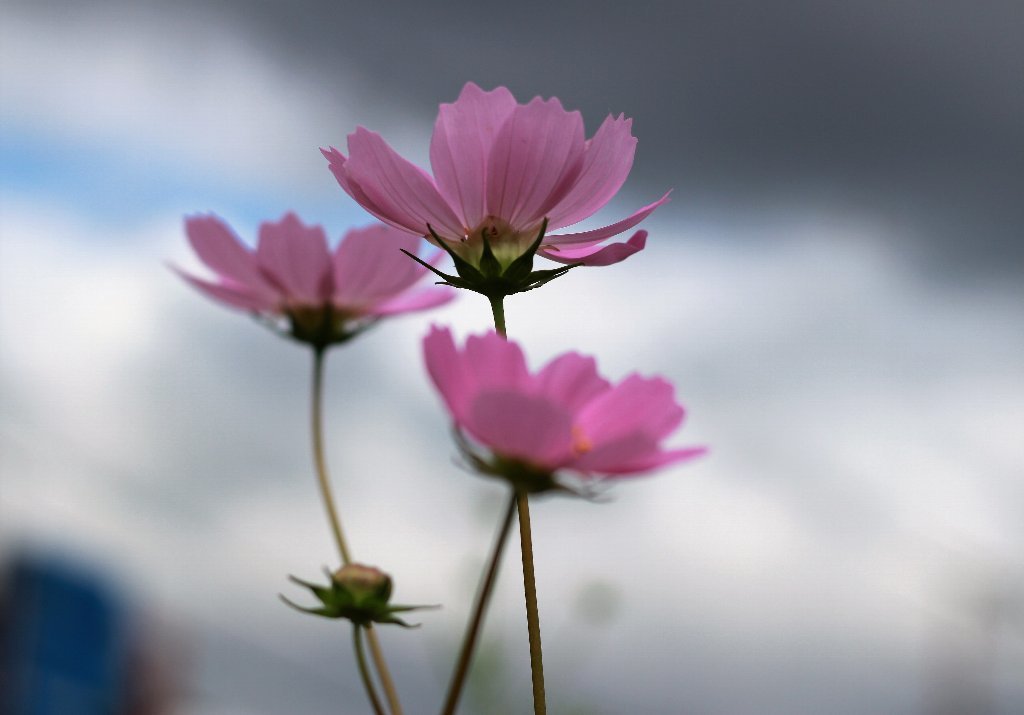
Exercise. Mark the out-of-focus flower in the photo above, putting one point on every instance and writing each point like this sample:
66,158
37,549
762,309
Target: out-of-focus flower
357,593
564,416
327,297
504,174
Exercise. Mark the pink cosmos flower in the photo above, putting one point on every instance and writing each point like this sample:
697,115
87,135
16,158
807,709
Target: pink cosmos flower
292,273
564,416
501,169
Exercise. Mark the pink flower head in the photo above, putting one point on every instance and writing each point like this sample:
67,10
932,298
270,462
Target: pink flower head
327,296
504,172
565,416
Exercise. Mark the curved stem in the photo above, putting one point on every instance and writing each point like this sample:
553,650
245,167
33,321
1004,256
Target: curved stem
318,456
332,517
482,598
532,612
364,671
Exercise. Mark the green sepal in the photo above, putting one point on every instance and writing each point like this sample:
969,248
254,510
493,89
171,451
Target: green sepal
521,475
490,279
490,266
538,278
463,267
520,269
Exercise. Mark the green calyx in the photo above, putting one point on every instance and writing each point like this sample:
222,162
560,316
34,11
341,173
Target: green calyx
490,277
323,326
522,475
356,593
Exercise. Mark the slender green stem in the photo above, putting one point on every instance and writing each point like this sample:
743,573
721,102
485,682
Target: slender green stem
483,596
532,612
521,499
377,653
364,670
318,456
323,479
498,310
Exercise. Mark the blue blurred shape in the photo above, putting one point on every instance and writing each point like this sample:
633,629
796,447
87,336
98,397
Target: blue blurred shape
62,645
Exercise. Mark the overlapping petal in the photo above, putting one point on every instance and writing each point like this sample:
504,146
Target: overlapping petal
294,257
218,247
461,144
606,164
536,157
564,416
591,255
522,426
404,194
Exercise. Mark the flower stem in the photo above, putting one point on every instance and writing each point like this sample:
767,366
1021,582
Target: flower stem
521,499
339,536
532,612
483,596
320,461
364,670
498,310
377,653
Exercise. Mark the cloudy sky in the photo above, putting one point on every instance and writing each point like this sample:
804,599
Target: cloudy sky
835,289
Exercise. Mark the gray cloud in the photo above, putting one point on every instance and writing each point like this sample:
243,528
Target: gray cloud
910,111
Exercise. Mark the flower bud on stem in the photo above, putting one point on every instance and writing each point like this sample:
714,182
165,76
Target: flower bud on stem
335,522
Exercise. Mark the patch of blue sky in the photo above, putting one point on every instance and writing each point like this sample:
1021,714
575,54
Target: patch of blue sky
103,184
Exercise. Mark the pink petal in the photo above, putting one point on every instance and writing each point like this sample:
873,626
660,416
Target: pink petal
571,380
219,248
462,140
597,256
399,192
618,455
234,295
445,367
606,164
632,454
599,234
336,163
536,156
415,300
295,257
496,363
637,404
369,266
530,428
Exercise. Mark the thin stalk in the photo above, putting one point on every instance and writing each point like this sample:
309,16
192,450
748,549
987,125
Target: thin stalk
319,459
387,683
498,310
532,612
364,671
377,653
521,499
483,596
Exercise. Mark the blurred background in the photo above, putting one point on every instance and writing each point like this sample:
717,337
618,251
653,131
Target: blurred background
835,289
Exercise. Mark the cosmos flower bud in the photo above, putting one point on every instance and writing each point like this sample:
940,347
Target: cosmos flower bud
363,582
357,593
